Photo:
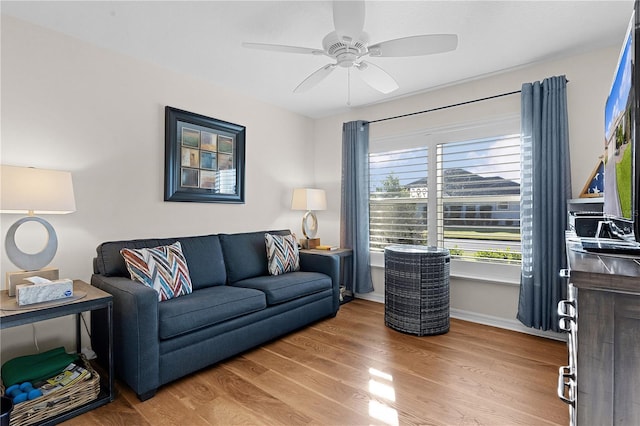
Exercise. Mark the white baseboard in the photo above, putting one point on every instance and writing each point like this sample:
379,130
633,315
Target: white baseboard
507,324
370,296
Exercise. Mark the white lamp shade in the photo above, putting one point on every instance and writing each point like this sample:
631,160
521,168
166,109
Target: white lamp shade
308,199
28,190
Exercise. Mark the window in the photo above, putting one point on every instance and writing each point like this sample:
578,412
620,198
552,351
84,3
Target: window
441,189
479,198
398,198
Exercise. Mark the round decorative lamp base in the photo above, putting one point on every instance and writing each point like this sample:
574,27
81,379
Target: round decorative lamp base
27,261
309,224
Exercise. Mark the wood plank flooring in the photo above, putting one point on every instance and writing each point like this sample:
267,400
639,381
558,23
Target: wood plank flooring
352,370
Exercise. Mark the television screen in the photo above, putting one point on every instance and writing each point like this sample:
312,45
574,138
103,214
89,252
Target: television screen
620,139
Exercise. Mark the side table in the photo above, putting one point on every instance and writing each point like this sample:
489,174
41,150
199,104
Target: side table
346,268
94,299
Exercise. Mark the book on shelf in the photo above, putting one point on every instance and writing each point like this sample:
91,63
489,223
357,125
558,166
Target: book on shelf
323,247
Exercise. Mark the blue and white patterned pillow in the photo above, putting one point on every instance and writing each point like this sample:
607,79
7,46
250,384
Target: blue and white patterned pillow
164,269
282,253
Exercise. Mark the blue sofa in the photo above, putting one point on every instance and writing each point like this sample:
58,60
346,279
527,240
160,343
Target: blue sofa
235,305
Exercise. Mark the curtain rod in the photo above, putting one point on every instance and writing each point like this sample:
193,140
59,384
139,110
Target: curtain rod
445,107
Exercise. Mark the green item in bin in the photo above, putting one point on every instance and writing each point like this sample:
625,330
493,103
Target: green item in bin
37,367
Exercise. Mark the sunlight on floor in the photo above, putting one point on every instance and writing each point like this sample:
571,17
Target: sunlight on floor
381,386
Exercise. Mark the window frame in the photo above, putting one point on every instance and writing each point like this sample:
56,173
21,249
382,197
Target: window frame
509,124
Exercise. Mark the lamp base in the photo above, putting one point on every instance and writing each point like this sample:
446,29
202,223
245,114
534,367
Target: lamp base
309,225
14,278
27,261
309,243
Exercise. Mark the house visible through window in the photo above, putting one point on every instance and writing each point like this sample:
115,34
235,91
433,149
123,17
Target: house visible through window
462,195
397,201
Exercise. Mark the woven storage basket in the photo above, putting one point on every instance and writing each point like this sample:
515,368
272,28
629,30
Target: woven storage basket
58,401
417,289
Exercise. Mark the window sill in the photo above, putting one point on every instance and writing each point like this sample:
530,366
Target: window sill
495,273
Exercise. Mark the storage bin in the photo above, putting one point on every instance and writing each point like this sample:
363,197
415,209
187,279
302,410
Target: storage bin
417,289
58,401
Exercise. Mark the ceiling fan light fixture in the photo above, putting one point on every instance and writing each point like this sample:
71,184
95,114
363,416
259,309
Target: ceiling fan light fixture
333,44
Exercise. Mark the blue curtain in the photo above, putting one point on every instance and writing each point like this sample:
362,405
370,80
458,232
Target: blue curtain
545,189
354,210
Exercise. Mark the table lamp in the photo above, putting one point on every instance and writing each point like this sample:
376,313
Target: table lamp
31,191
309,199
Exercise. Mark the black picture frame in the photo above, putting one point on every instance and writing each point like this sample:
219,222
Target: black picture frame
195,170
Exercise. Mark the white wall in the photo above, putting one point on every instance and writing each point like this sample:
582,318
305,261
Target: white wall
70,106
589,78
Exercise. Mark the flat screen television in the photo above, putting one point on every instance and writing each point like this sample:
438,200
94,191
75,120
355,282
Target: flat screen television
622,134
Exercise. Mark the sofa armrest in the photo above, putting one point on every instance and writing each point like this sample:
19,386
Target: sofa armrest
135,332
326,264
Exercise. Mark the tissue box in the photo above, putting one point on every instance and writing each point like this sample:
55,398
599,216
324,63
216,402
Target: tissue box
26,294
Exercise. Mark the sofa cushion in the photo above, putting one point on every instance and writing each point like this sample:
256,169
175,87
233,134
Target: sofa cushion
245,254
282,288
163,268
203,255
206,307
282,254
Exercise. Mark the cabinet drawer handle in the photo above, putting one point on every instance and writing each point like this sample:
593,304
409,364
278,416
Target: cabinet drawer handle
565,273
565,315
564,307
566,380
565,324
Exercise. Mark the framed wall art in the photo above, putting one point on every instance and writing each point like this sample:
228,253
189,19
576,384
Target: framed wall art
204,158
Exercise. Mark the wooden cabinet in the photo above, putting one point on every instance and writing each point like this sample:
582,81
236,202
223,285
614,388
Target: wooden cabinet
608,338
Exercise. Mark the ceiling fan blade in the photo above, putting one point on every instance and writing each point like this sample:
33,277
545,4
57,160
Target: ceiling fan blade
416,45
314,78
376,77
348,18
283,48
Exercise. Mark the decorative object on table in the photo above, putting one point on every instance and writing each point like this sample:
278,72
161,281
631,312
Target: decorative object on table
594,187
34,191
309,199
325,247
204,158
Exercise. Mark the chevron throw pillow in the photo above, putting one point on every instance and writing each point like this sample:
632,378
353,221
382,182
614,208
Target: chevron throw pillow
164,269
282,253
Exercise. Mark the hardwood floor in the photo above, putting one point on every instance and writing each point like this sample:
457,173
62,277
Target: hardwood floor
353,370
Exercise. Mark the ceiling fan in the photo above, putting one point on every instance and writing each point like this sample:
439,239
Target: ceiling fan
348,45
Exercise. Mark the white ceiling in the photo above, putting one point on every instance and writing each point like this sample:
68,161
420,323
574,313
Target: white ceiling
203,39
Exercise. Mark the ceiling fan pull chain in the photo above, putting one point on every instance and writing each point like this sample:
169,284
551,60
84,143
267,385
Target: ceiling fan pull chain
349,86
